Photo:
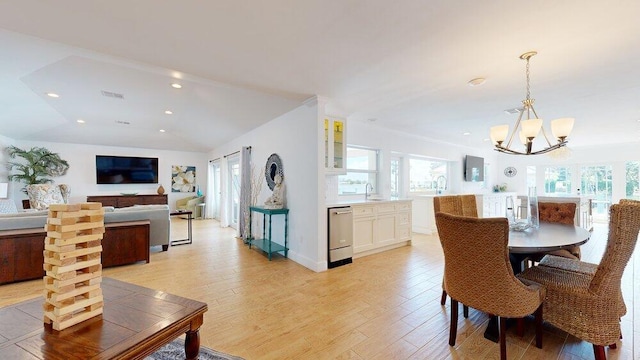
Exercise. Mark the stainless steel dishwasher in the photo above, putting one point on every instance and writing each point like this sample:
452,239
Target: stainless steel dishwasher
340,231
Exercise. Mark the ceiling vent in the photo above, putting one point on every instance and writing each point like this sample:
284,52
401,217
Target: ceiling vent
514,111
112,95
120,122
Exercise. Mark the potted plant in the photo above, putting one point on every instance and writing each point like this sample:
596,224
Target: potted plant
37,167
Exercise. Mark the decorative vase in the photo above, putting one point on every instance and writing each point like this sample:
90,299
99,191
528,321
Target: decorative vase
160,190
533,208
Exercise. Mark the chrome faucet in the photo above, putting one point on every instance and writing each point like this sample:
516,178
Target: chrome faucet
367,188
441,184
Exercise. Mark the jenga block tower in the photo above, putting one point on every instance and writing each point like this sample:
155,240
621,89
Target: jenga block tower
72,264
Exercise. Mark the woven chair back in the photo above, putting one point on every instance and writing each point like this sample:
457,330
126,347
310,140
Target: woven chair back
477,270
449,204
563,213
469,207
624,225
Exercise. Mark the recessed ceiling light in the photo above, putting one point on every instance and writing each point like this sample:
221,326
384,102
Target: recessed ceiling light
176,86
80,121
162,130
53,95
168,112
476,81
466,133
485,139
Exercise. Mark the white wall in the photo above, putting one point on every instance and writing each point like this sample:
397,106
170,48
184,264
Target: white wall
81,176
294,137
4,143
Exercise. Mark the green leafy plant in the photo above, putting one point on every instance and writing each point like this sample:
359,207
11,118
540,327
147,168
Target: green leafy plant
37,167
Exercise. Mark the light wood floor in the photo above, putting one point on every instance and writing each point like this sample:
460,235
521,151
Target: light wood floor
383,306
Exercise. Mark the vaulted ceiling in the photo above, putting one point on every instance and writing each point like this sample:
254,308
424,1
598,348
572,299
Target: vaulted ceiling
399,64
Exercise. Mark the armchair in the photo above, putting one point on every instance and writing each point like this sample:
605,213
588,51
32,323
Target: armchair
189,204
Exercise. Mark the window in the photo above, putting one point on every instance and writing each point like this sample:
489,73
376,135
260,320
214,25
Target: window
632,188
425,174
557,180
596,182
362,169
396,176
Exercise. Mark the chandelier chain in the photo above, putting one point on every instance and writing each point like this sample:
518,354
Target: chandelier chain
528,87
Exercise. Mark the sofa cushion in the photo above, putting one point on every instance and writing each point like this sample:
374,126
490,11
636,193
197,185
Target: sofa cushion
7,206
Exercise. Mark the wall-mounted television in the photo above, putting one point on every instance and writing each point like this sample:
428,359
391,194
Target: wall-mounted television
473,168
126,170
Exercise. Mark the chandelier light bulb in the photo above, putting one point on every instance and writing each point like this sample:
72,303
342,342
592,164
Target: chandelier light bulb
561,128
499,133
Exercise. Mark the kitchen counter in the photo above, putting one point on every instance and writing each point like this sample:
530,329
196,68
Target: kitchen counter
362,201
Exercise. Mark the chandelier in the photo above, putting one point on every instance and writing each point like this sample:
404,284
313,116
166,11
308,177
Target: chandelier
527,129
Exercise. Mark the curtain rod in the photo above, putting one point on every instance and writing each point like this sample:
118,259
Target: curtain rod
216,159
233,153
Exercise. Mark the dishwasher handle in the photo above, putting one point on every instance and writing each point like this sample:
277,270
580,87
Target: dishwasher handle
342,212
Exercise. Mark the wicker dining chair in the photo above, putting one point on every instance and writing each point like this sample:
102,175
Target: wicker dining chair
477,272
455,205
589,305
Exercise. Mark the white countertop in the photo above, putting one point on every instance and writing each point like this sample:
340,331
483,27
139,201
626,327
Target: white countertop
361,202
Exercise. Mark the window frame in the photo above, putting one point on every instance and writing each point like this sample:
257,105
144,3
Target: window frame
375,172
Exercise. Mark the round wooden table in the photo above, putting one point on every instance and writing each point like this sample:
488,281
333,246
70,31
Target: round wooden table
548,237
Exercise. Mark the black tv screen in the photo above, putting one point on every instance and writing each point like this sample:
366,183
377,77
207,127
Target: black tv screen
473,168
126,170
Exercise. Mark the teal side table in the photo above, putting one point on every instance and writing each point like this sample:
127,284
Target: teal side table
266,243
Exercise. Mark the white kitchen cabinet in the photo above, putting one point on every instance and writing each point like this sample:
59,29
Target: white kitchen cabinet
381,225
335,147
494,204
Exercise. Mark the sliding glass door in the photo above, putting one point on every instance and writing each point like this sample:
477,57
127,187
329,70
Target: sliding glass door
596,182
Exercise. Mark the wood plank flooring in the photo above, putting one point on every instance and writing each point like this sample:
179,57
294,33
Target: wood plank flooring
383,306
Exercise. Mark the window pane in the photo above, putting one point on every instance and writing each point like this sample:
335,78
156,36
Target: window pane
362,168
633,180
557,180
395,177
596,182
354,183
424,174
362,159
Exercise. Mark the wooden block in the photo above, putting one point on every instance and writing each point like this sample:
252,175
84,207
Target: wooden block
92,290
63,221
78,239
92,206
76,319
65,207
88,277
56,270
72,305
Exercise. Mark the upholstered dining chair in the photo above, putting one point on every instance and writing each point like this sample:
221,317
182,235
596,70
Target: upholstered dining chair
477,272
562,213
589,305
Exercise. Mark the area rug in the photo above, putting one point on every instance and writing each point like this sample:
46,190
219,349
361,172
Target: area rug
175,351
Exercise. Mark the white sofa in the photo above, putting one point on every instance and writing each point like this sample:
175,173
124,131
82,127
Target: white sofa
158,216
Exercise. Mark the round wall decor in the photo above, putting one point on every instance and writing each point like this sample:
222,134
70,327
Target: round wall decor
273,167
510,171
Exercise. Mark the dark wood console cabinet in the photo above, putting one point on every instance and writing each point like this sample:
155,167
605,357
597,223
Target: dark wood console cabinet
21,251
128,200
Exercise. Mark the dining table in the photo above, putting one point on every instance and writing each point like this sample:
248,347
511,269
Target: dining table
545,238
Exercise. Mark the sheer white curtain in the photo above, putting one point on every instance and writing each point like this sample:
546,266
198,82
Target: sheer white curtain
225,219
245,192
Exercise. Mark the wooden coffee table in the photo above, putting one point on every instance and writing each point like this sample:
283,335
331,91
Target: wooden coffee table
136,322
